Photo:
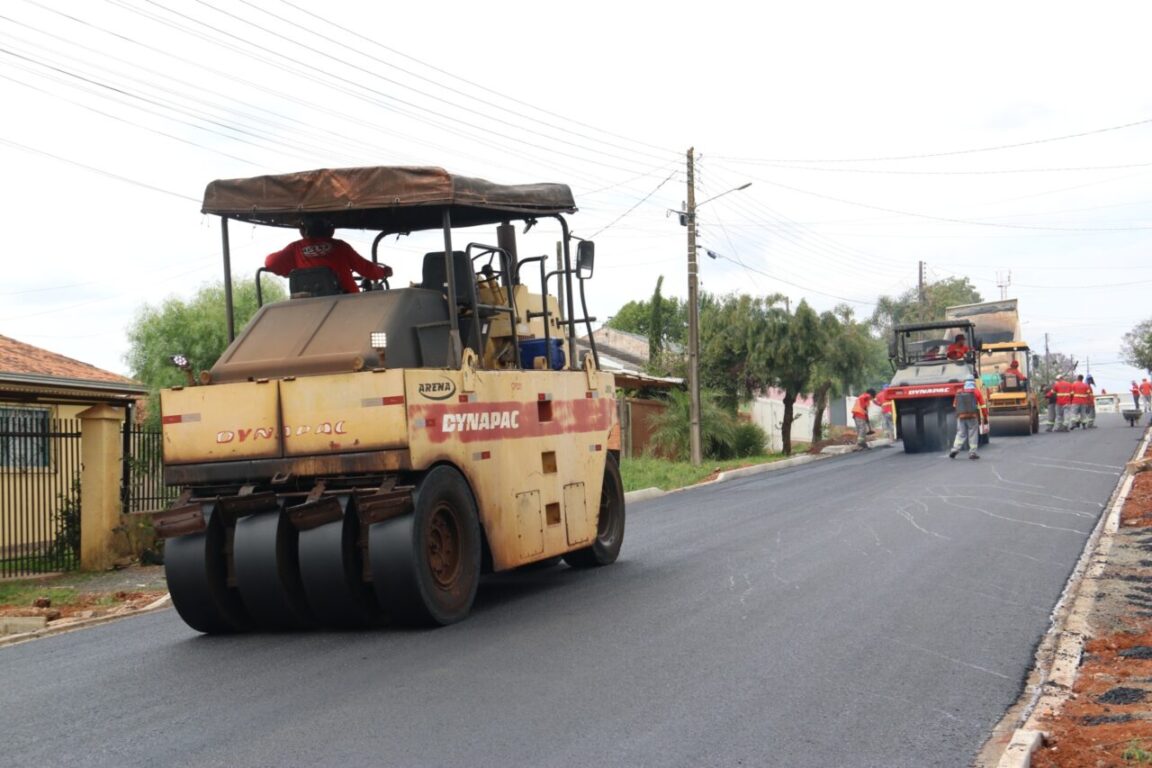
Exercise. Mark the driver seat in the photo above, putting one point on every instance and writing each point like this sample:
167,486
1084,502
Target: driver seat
313,281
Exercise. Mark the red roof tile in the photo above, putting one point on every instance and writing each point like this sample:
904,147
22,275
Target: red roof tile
21,358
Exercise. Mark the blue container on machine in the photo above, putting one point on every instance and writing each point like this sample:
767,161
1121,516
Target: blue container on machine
534,348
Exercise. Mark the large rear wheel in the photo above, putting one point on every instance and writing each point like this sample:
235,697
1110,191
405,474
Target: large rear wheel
426,565
609,524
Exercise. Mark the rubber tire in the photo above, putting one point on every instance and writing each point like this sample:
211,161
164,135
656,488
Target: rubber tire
197,574
939,429
266,559
332,575
912,437
609,522
410,587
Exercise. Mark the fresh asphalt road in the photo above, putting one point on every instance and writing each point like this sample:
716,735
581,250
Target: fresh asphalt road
876,609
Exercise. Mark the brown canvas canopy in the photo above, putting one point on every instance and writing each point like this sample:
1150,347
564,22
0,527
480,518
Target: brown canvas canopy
384,199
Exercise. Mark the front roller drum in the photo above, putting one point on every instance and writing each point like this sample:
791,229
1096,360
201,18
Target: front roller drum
196,569
1010,424
426,565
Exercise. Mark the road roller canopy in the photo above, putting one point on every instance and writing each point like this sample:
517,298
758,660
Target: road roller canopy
387,199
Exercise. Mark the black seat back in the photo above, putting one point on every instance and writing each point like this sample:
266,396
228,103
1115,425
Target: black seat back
435,275
313,281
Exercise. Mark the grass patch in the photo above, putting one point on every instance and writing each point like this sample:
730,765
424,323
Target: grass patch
1136,753
24,591
647,472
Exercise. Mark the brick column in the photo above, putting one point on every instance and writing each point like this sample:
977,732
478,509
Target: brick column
100,454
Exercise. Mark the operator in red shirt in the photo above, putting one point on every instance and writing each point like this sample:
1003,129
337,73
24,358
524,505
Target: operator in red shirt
319,249
1013,371
958,349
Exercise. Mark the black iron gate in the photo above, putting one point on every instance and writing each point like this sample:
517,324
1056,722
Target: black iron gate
39,492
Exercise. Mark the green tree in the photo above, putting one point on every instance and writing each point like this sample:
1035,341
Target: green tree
728,325
1046,369
786,352
908,308
848,360
196,328
1136,349
663,321
656,310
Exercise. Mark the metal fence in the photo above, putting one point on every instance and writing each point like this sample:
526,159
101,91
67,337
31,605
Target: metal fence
39,492
142,488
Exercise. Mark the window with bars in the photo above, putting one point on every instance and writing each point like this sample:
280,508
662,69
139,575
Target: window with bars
24,438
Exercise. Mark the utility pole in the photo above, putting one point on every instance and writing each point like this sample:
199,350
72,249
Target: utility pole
1002,283
920,282
1047,358
693,319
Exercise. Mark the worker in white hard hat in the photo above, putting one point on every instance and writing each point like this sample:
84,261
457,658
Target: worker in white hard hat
970,415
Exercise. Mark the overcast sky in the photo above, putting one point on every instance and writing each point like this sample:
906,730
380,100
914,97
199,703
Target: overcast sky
1009,143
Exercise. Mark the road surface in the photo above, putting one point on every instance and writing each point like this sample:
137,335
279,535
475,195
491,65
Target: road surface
876,609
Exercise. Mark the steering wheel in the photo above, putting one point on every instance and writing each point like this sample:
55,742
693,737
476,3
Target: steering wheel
367,284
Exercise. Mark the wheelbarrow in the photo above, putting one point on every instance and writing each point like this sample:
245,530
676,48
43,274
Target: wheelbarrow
1132,415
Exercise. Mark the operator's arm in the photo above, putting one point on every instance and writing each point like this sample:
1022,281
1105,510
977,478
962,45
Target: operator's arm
362,266
282,262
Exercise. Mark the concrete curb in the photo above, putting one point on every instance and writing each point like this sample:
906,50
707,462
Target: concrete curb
67,626
832,450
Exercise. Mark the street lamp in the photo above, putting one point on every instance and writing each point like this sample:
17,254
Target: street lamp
688,219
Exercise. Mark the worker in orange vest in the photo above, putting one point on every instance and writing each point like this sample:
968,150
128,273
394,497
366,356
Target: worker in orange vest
1081,398
1063,389
1146,394
860,418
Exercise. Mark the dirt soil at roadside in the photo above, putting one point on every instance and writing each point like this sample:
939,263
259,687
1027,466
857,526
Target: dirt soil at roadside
1107,720
116,592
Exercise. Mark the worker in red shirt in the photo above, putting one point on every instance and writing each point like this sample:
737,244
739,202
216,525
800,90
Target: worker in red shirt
1135,394
1063,389
884,400
860,418
1013,379
1081,397
1146,394
958,349
970,414
319,249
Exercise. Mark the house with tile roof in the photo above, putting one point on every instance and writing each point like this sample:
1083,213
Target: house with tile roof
61,426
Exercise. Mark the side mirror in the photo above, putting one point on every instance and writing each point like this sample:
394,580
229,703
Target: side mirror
585,259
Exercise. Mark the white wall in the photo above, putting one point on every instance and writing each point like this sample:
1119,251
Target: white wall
769,415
